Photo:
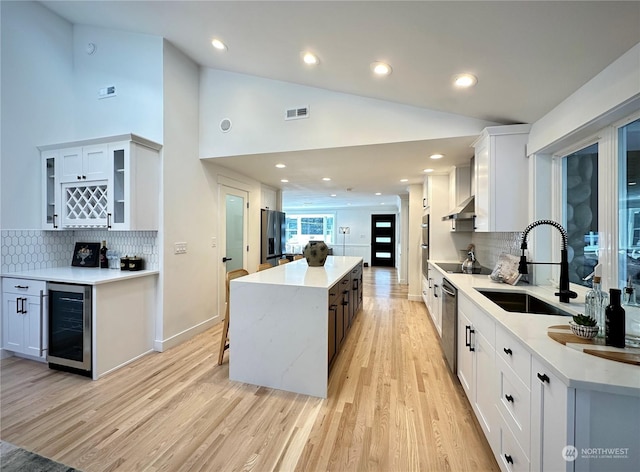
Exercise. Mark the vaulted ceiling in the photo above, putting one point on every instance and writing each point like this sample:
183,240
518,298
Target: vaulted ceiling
528,57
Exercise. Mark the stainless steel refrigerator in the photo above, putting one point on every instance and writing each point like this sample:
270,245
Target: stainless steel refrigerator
272,241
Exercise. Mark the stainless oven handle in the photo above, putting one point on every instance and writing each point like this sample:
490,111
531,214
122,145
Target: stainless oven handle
435,290
447,291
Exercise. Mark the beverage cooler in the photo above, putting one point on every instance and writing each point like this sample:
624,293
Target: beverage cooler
69,331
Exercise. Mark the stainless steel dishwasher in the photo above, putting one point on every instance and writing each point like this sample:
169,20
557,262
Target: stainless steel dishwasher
449,323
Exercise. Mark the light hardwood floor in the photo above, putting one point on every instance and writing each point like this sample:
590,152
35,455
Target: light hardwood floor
392,406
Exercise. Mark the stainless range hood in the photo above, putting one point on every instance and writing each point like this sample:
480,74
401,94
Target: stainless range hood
464,211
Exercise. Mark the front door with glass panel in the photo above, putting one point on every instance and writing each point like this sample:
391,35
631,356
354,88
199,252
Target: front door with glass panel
383,240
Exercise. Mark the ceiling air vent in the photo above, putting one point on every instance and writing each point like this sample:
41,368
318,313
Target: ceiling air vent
297,113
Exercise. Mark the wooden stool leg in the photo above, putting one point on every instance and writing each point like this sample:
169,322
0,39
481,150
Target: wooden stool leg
225,336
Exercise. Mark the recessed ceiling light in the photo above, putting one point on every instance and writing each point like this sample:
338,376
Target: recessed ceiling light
404,180
380,68
326,179
436,156
280,166
333,195
428,170
216,43
310,58
464,80
378,193
382,203
284,181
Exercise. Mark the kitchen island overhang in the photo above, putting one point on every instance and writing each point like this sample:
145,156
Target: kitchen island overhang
279,325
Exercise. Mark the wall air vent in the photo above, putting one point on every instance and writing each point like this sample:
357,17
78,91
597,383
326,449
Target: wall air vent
297,113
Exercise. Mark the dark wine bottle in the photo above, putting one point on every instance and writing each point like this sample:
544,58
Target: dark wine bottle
104,262
614,332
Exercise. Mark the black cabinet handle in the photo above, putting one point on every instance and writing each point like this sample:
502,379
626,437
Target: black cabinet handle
108,220
508,458
435,290
509,398
467,337
543,377
84,177
333,308
25,287
78,177
225,259
508,351
55,215
18,305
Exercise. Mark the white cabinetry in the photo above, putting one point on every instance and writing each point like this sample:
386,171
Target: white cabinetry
513,401
476,363
269,198
24,316
549,420
50,191
108,183
433,297
84,163
501,174
426,192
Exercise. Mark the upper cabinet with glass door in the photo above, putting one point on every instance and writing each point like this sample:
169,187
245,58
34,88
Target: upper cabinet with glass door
110,183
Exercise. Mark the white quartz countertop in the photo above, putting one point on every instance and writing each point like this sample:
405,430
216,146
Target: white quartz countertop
79,275
298,273
576,369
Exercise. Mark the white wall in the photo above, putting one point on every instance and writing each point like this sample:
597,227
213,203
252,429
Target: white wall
133,63
414,255
36,105
256,107
609,96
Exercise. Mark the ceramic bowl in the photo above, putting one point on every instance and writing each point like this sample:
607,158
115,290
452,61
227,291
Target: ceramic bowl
585,332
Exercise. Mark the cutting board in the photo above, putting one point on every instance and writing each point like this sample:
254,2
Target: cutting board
595,347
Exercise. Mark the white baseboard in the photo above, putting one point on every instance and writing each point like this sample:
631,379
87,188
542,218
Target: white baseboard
121,365
162,345
415,298
4,354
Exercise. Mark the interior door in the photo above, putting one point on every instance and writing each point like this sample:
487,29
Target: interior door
383,240
233,236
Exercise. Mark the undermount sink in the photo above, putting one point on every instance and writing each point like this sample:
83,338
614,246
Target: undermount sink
517,302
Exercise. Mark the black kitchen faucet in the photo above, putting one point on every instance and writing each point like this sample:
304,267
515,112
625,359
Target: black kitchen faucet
565,294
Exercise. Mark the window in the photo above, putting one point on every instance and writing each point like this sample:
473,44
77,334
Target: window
303,228
580,211
629,204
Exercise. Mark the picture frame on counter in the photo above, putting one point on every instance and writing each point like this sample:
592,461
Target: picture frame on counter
86,255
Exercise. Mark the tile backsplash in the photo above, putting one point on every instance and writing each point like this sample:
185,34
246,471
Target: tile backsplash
489,246
37,249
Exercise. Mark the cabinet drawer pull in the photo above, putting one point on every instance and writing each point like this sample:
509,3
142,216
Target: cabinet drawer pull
25,287
508,458
55,215
467,337
18,305
509,398
108,220
543,377
508,351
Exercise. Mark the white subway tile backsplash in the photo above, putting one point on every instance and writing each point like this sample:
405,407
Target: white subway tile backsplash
37,249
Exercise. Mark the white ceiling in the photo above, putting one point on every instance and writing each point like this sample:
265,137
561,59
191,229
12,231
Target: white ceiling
528,57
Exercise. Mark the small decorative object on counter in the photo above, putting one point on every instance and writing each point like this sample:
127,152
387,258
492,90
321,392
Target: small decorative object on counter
315,252
104,262
135,263
124,263
629,295
595,303
584,326
614,331
469,262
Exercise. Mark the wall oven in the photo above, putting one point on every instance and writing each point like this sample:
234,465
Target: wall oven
424,247
69,331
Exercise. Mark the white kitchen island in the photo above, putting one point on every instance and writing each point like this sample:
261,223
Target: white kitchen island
280,325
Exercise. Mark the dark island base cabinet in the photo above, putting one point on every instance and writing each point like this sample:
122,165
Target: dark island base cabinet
345,301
